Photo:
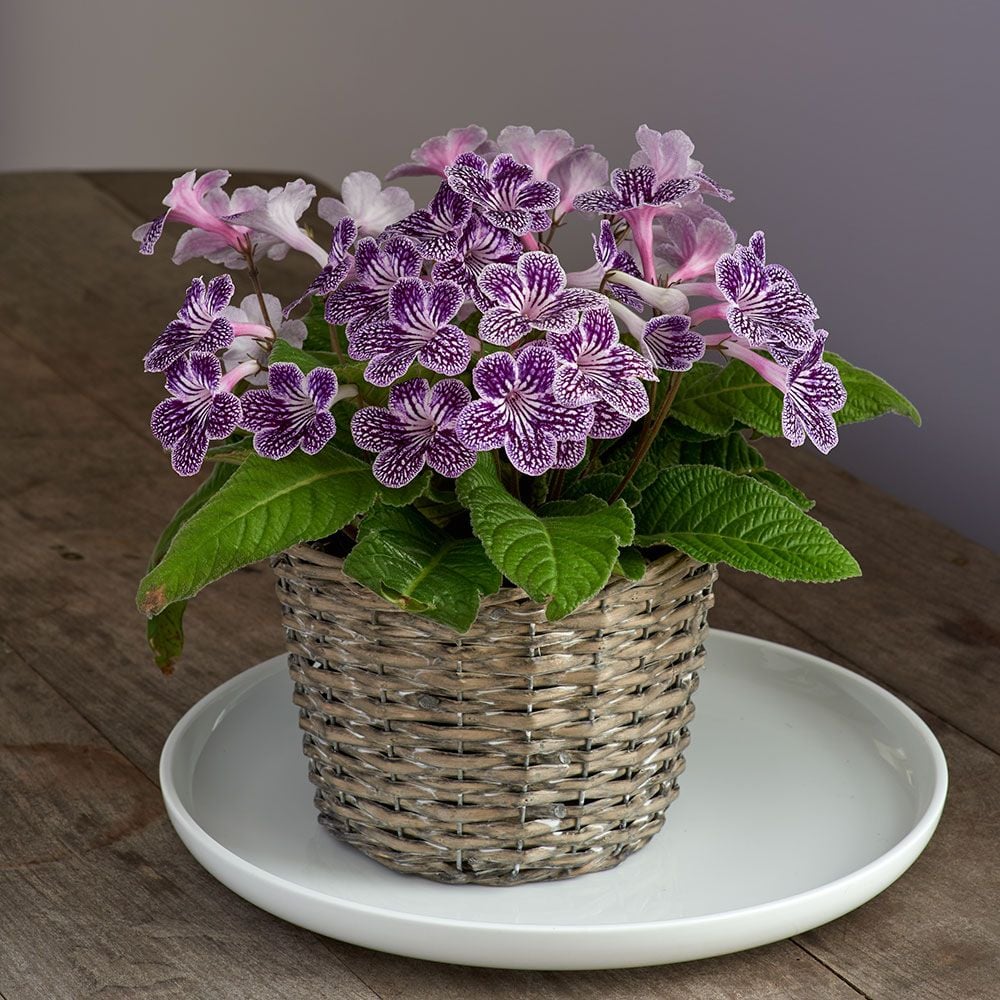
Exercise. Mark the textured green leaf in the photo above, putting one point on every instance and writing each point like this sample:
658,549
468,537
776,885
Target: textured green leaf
602,485
631,563
563,554
317,330
699,404
264,508
731,452
716,516
784,487
868,396
402,556
165,631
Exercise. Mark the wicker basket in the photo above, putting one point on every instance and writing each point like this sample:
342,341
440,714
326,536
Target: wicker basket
521,751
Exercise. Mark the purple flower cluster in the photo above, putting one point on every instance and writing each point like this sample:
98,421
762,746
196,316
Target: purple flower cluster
463,311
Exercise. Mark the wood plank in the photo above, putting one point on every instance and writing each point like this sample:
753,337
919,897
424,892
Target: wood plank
97,898
924,618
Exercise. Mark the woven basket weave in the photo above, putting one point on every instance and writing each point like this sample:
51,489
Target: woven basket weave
521,751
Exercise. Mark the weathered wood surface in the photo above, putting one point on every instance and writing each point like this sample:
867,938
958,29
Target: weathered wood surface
97,896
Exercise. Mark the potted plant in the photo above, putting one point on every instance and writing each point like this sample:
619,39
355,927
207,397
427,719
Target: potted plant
494,489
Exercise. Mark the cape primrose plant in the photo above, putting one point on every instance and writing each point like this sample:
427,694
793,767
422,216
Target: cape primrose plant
452,408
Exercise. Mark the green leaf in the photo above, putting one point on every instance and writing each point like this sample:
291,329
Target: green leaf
631,563
781,485
306,360
699,404
317,330
563,554
731,452
264,508
868,396
602,484
403,496
716,516
165,631
402,556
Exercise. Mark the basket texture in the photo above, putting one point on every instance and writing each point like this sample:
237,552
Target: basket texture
521,751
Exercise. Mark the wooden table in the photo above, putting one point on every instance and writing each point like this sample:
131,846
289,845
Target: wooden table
97,895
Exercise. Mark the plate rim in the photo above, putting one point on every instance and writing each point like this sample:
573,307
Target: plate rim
907,849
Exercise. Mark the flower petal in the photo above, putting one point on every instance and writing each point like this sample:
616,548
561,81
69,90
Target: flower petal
398,465
448,352
495,375
374,428
503,326
448,456
531,453
483,425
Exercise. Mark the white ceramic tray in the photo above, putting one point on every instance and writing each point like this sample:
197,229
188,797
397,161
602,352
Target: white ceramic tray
808,791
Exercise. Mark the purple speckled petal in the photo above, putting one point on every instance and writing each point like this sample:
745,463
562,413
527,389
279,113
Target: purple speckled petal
467,176
501,283
671,344
671,190
443,302
509,177
757,245
319,433
605,245
541,277
322,385
190,376
600,200
404,258
408,400
224,416
503,326
569,454
634,186
608,423
495,375
536,368
149,234
572,385
261,410
408,305
539,196
626,395
447,455
448,398
532,453
218,294
448,352
483,425
384,369
599,329
398,464
169,421
284,380
514,220
188,454
728,276
374,428
563,421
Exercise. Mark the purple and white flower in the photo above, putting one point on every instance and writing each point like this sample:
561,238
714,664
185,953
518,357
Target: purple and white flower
506,192
669,154
608,256
693,239
812,389
438,229
517,411
540,151
365,301
531,295
766,305
417,429
200,325
671,344
292,412
201,408
338,263
479,245
252,333
195,201
436,155
608,423
363,200
592,365
420,329
278,217
637,197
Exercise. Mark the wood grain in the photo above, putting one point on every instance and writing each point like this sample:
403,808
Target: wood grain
116,904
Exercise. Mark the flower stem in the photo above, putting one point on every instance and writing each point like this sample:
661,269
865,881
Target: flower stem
647,436
247,251
528,239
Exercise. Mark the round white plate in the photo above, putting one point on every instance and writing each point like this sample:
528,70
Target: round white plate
808,791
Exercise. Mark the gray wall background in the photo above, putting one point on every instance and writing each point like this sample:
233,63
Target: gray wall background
861,135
